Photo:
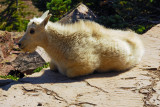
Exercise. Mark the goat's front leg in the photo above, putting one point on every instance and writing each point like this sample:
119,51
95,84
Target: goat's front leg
53,67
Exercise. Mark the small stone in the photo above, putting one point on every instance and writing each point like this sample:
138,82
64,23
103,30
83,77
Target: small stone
39,104
143,91
5,95
48,92
147,103
35,94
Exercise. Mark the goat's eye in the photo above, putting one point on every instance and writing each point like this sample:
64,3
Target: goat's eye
32,31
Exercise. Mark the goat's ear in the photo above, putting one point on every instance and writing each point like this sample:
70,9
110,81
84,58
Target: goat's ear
45,21
45,14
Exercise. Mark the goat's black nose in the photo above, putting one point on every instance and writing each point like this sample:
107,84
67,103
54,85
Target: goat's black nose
19,44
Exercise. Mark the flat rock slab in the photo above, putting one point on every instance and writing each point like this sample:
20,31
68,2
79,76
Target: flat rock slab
137,87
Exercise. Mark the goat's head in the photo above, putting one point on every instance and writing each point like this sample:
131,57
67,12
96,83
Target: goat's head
34,33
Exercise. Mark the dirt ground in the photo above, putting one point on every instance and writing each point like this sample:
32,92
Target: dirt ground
138,87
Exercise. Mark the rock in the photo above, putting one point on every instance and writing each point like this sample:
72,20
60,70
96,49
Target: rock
25,62
157,88
144,91
5,69
6,48
154,100
6,44
154,30
5,64
80,12
1,56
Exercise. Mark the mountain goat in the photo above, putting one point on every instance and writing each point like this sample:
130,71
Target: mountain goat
83,47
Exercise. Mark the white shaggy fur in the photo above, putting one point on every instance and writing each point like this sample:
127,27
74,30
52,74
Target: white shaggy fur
83,47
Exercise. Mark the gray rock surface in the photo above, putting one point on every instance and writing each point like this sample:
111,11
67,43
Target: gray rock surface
25,62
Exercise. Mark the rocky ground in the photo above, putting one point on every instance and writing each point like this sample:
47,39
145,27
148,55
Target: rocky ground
138,87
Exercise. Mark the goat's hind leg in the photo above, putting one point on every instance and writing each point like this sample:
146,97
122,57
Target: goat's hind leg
79,71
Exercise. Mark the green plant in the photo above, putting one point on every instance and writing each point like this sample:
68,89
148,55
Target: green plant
58,8
13,18
10,77
16,77
138,15
40,68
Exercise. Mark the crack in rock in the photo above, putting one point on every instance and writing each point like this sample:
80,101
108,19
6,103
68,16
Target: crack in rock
127,88
148,90
29,90
54,94
88,84
128,78
82,103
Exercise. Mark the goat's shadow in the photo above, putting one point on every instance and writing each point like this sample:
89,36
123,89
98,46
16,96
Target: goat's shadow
54,77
